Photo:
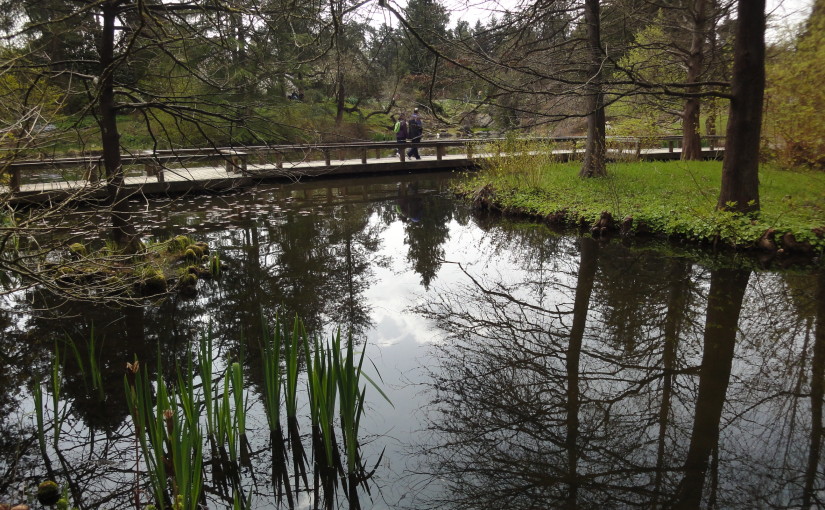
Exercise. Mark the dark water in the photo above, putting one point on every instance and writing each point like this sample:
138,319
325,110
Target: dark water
526,369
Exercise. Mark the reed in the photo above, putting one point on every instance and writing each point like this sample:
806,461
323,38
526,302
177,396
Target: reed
240,414
351,409
215,265
169,432
92,377
185,440
292,356
273,379
149,426
321,389
168,421
41,425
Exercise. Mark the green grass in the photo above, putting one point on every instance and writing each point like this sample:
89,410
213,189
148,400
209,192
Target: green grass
674,198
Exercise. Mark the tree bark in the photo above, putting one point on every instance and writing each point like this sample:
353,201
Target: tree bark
123,231
740,169
691,142
594,153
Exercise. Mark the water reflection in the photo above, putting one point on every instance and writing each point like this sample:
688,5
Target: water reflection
574,373
624,379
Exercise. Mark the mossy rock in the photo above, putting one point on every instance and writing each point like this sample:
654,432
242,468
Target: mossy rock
188,285
153,283
77,251
178,244
195,248
190,256
203,246
189,279
48,493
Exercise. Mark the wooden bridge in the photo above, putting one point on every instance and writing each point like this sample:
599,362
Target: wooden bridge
205,170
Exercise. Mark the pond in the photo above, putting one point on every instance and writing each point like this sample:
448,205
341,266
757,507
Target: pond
522,368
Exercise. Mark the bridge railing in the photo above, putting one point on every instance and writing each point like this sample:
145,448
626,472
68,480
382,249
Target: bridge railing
240,159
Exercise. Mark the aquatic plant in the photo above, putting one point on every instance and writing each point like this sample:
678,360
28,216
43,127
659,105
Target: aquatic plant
90,368
168,430
174,419
291,354
271,359
215,265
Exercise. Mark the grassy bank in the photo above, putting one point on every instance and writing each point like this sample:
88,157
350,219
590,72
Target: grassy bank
673,198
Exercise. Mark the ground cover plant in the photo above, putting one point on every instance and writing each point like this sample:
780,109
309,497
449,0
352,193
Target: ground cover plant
672,198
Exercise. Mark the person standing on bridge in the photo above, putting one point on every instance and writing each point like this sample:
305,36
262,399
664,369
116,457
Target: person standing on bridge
400,132
416,129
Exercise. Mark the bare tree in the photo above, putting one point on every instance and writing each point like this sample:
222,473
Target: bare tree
740,169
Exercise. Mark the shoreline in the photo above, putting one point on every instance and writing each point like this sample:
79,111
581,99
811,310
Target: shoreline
795,232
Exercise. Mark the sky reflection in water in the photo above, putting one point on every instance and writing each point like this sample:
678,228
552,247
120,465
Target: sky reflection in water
526,369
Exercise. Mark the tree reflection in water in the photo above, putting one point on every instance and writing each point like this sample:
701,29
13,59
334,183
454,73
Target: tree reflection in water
551,392
577,374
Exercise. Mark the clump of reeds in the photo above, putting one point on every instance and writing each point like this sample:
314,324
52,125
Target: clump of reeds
168,418
273,379
168,430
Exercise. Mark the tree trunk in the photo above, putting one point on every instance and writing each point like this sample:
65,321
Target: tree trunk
691,143
740,169
727,290
809,493
123,231
584,287
594,153
678,297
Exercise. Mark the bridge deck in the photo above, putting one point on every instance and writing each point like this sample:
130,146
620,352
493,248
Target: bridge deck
216,177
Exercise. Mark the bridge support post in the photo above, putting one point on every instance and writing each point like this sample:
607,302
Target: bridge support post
439,152
154,169
363,156
670,146
236,163
638,148
469,151
279,160
327,157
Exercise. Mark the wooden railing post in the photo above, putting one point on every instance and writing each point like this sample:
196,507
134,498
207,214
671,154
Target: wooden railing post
638,148
279,160
573,150
469,150
364,156
402,151
439,152
14,179
327,157
670,145
93,172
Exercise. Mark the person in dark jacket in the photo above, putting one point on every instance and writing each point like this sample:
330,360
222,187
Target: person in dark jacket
416,131
401,131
